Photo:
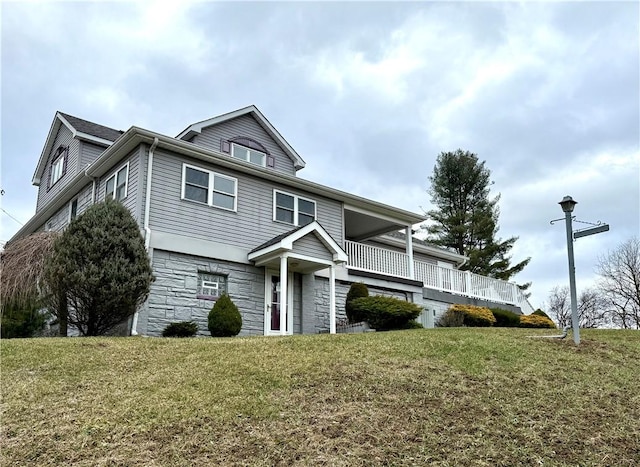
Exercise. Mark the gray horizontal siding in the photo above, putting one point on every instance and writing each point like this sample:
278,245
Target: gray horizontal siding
133,183
310,245
60,219
88,153
249,227
63,138
245,125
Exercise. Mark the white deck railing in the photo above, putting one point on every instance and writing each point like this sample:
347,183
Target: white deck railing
394,263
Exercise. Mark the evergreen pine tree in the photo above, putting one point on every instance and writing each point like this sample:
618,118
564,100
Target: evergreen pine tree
466,218
101,265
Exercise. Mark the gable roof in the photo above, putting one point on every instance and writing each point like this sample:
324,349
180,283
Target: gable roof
81,129
284,242
92,129
252,110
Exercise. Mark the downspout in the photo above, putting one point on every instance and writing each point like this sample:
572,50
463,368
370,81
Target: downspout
145,223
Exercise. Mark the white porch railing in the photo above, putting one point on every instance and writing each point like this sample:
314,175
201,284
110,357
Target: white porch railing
394,263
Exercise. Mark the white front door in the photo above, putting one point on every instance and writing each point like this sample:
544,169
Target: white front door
273,297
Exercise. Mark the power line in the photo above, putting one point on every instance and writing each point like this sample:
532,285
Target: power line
11,216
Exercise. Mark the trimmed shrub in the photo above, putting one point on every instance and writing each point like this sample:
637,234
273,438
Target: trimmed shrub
505,318
385,313
357,290
475,316
536,321
180,329
224,318
451,319
539,312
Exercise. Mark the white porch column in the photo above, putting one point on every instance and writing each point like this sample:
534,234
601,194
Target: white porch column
410,252
332,299
284,275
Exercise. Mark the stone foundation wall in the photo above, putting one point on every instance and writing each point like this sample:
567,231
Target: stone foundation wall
173,294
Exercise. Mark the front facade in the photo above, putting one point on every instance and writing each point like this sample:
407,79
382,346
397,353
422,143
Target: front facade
222,211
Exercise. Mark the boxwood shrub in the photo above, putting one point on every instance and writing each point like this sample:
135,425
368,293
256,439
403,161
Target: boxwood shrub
505,318
180,329
386,313
357,290
536,321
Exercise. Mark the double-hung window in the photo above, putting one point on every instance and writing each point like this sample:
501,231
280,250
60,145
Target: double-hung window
207,187
116,186
249,155
293,209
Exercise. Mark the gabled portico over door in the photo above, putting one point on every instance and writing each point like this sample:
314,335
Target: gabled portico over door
304,250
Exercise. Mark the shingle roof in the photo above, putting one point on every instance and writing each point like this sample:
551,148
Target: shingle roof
275,239
93,129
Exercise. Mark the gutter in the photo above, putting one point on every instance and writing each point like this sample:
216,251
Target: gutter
147,229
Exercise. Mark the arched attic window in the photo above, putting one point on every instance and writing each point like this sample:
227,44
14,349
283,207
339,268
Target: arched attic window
247,149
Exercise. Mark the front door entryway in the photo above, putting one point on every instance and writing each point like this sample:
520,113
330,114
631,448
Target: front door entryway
273,304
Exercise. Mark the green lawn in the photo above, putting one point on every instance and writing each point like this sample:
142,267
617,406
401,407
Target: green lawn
439,397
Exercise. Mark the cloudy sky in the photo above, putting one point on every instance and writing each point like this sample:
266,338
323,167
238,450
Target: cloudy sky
368,93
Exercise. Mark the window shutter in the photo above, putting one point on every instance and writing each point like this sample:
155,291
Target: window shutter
271,161
49,178
225,146
65,155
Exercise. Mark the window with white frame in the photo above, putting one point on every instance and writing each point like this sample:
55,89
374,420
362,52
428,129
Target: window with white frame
249,155
207,187
293,209
116,186
211,286
58,166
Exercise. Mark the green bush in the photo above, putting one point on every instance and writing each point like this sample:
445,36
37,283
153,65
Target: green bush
224,318
385,313
505,318
99,272
536,321
539,312
21,321
357,290
180,329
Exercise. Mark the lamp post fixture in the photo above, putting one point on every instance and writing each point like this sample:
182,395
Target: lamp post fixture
567,205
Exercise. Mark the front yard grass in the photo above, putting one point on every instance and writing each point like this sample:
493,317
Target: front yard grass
450,396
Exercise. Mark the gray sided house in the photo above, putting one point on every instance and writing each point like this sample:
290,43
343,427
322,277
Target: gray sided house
222,211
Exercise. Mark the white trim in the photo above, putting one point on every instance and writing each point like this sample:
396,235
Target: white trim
197,128
332,300
269,273
286,244
115,183
296,211
211,188
92,138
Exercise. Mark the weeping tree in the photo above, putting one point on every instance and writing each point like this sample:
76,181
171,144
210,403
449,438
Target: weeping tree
466,217
99,269
21,271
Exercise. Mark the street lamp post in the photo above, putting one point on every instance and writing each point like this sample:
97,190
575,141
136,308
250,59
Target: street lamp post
567,205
